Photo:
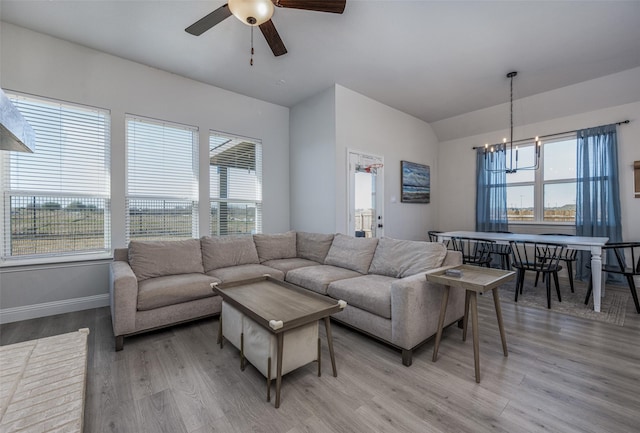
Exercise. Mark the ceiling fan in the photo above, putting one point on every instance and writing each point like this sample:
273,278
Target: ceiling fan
259,13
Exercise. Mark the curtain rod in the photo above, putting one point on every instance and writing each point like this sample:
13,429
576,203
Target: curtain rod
545,136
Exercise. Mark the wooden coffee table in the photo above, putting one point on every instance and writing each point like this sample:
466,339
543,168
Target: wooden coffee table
474,280
278,307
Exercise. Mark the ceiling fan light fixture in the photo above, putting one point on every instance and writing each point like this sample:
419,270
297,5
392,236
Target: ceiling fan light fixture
252,12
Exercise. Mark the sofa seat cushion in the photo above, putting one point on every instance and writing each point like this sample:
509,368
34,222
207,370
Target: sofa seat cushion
371,293
173,289
351,252
401,258
313,246
286,265
275,246
225,251
243,272
318,278
150,259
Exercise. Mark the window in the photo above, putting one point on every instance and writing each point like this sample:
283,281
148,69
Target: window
56,200
235,176
162,180
546,195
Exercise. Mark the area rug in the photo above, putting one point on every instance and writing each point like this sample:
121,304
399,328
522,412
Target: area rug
42,384
612,307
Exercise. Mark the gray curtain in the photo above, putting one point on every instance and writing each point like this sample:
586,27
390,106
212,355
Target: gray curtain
598,191
491,191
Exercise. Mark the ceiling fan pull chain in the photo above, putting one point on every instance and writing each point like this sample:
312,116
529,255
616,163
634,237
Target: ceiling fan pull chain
251,62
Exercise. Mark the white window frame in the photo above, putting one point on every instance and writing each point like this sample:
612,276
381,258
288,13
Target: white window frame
101,190
256,200
538,187
153,196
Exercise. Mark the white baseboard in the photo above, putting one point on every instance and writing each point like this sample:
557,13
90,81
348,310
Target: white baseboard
15,314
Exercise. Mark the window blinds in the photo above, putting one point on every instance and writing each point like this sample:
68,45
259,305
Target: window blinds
235,181
162,159
162,179
58,197
72,153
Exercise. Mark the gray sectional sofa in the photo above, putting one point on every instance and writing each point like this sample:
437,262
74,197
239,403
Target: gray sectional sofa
154,284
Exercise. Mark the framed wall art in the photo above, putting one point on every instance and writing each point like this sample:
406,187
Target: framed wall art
416,182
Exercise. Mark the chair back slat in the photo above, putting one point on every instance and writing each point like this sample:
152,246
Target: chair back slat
537,256
474,251
433,237
569,253
625,253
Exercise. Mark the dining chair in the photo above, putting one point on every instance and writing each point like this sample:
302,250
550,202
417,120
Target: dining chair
502,250
474,251
568,257
526,256
433,237
625,253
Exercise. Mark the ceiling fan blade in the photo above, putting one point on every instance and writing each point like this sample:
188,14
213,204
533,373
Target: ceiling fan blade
333,6
204,24
273,38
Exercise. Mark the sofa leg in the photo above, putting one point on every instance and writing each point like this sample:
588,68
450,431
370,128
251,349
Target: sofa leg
461,323
119,342
406,357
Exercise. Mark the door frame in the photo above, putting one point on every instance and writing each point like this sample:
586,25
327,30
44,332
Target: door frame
379,193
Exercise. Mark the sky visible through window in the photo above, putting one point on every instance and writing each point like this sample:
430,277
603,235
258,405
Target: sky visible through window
559,164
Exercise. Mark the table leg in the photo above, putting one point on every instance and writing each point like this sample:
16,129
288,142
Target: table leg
269,379
596,276
327,327
474,323
279,368
443,311
465,320
242,351
220,337
319,358
496,302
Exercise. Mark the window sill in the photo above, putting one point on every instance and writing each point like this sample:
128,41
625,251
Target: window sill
57,260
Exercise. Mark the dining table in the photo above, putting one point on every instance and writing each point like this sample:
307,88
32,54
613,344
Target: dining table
582,243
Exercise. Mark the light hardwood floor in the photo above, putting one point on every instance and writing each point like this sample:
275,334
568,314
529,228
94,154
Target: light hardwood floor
563,374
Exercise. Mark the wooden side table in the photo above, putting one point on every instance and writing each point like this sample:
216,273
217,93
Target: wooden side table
474,280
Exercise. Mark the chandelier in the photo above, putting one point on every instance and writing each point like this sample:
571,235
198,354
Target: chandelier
512,162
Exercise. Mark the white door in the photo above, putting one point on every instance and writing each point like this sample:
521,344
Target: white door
366,196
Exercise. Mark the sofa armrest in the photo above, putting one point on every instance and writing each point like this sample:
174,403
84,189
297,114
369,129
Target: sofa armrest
123,292
415,306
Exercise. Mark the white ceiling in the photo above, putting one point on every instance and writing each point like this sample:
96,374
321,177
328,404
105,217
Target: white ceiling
431,59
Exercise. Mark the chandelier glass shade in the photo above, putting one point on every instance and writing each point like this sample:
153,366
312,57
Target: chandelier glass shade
511,164
252,12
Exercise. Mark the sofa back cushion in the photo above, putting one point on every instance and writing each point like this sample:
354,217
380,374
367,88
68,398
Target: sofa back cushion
275,246
351,253
121,254
399,258
224,251
313,246
150,259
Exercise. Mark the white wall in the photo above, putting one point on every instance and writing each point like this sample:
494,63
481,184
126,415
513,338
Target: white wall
323,128
370,126
457,159
312,163
37,64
